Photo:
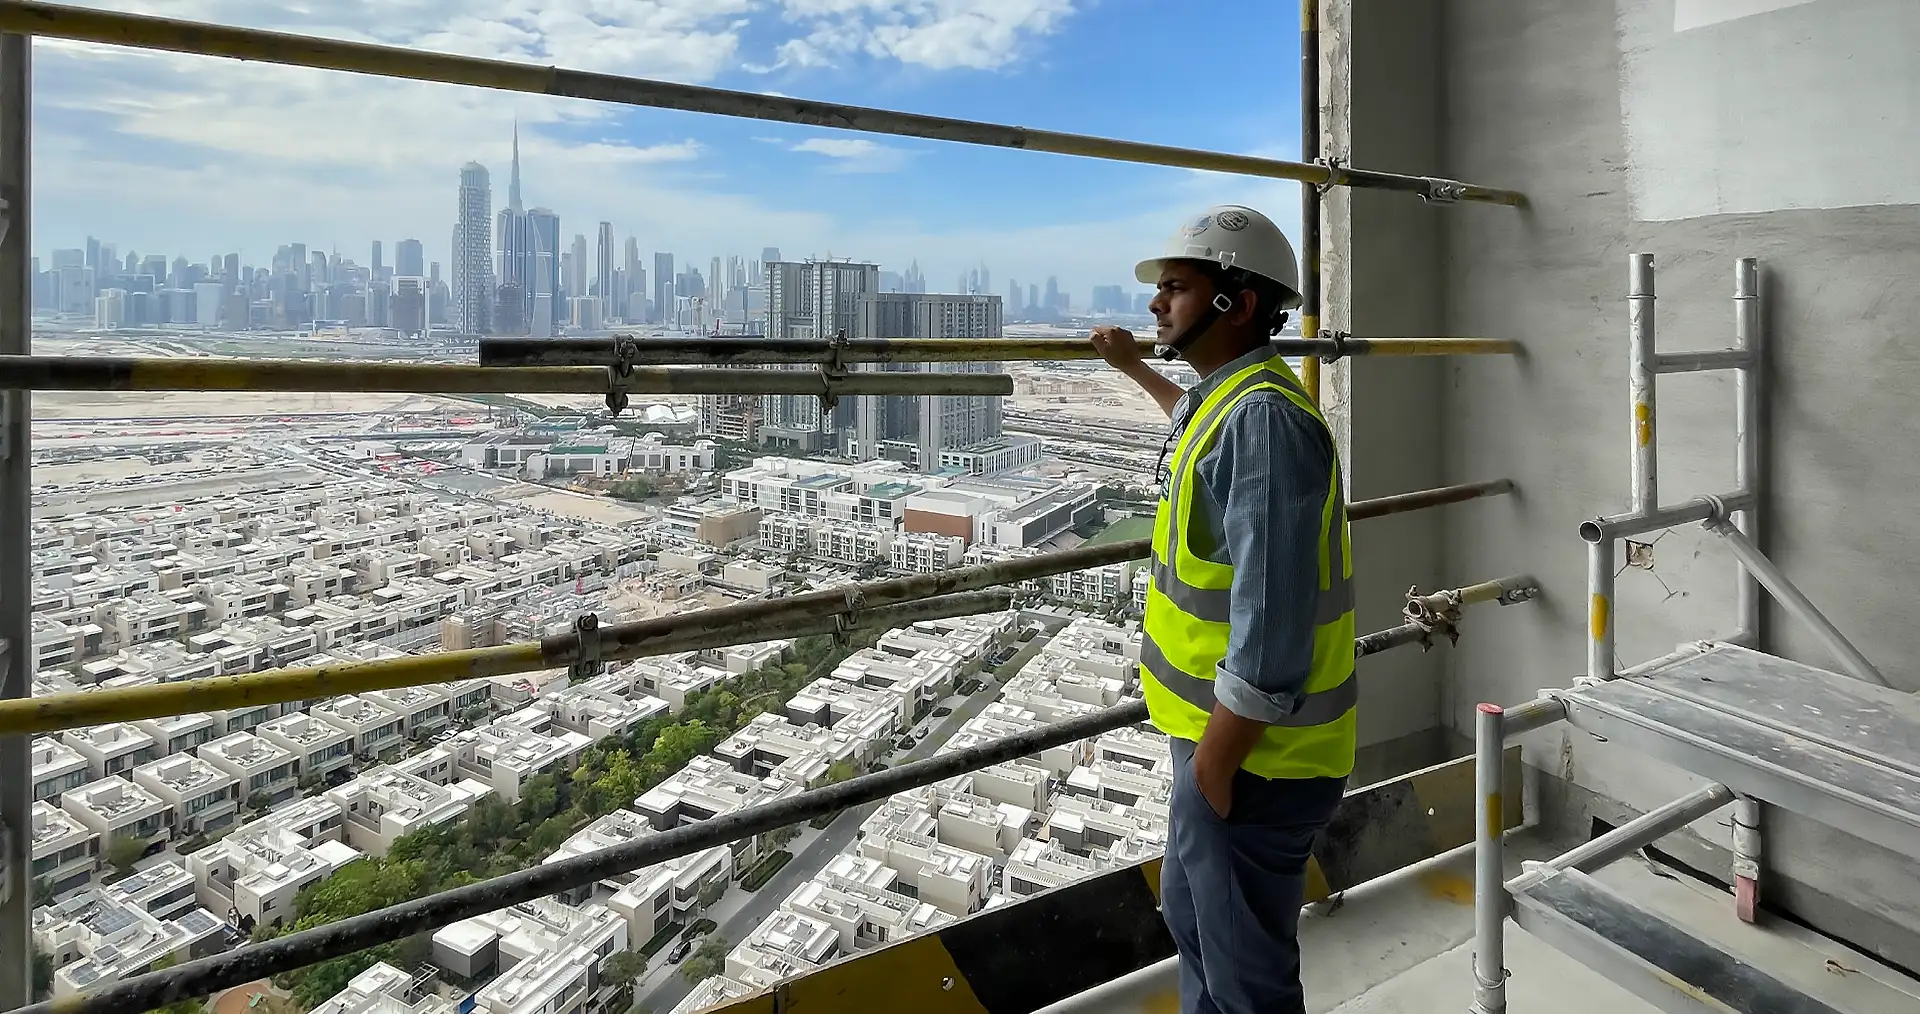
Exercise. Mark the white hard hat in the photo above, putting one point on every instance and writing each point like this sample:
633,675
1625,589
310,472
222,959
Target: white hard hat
1232,236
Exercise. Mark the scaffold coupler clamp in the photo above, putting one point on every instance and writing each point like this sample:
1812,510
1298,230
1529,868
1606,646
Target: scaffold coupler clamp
620,373
833,369
1333,164
1438,613
586,629
845,622
1341,348
1436,190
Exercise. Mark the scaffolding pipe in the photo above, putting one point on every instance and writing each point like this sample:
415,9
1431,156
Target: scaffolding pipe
1749,435
1535,714
98,373
1630,837
1310,195
1490,901
396,922
1600,557
1640,325
1796,603
1624,526
756,351
1438,613
144,32
1699,362
733,624
79,709
16,498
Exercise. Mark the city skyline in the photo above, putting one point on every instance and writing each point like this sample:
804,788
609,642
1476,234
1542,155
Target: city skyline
338,160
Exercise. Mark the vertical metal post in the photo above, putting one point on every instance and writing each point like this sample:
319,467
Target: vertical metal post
1749,429
1489,864
1310,194
1640,318
1749,476
1600,609
16,616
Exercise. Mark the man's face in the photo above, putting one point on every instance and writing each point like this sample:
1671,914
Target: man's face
1183,294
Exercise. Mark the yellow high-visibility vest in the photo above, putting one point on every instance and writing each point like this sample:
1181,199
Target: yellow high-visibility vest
1188,598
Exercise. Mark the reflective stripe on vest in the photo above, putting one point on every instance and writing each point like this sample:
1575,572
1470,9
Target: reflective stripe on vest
1314,709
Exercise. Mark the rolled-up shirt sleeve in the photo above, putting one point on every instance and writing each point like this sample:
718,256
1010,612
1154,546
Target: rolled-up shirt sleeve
1269,472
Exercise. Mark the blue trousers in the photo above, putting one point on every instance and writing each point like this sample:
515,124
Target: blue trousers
1231,889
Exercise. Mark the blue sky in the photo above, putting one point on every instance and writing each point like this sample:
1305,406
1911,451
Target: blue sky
193,156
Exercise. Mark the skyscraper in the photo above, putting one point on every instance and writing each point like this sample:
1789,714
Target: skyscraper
811,299
631,310
473,252
663,294
519,252
603,273
918,429
545,315
376,258
409,259
582,282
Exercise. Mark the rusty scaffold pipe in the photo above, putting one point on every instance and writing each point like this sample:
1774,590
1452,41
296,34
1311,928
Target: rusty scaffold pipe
754,351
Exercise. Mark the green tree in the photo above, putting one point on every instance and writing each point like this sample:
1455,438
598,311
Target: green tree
315,984
840,771
622,967
711,894
681,743
620,784
707,961
780,837
490,820
357,888
124,851
42,976
538,798
550,834
259,802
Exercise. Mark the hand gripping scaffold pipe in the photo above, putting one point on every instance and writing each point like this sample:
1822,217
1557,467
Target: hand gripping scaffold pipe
397,922
827,611
83,25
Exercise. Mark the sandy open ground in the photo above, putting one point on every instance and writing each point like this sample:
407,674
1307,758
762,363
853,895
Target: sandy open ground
605,510
145,405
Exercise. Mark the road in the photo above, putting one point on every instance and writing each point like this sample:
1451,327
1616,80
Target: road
838,835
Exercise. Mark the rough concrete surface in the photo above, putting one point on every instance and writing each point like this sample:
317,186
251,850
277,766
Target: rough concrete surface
1552,99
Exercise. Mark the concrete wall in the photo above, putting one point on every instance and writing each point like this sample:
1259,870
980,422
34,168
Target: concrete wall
1384,111
1699,131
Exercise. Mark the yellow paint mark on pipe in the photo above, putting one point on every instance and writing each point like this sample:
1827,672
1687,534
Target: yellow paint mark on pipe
1310,377
1643,422
1166,1001
1599,616
1496,811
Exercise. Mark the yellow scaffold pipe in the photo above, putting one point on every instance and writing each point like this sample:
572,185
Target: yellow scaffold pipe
144,32
756,351
98,373
892,602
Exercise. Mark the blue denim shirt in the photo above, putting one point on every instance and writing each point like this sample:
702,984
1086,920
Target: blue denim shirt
1262,488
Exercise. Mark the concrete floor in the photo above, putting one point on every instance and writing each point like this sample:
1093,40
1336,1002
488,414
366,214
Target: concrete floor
1403,945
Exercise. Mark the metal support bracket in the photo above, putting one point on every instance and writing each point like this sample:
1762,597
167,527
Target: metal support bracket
1438,613
587,628
1436,190
1333,164
625,351
846,622
1341,349
833,368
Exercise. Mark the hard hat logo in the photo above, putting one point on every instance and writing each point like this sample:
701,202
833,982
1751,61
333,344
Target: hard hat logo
1235,237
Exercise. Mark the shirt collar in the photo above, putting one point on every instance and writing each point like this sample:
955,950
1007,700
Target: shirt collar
1198,393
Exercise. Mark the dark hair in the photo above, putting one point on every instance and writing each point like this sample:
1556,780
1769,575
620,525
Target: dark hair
1268,294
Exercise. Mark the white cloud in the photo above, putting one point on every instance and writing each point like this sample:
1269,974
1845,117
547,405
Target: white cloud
935,34
855,154
176,154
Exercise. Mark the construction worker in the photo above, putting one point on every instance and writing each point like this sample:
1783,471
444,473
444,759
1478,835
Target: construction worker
1246,658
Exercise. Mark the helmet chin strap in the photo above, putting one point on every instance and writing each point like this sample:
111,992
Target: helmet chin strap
1221,306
